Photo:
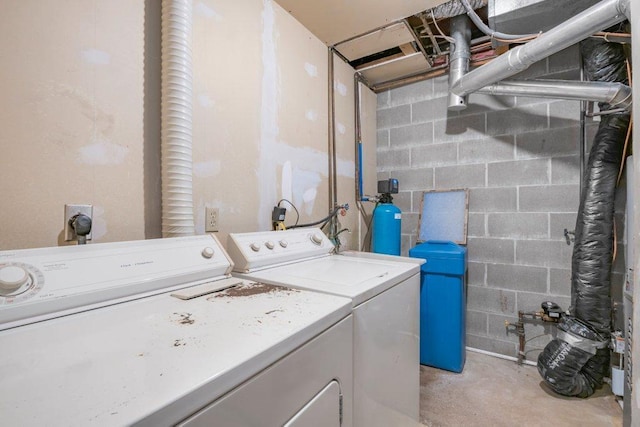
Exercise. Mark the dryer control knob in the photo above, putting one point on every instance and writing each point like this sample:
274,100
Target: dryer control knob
283,243
12,278
316,238
254,247
208,252
269,244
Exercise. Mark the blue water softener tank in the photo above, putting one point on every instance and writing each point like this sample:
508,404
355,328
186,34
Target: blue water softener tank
387,221
442,304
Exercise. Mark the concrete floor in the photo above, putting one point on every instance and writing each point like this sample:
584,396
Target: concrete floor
496,392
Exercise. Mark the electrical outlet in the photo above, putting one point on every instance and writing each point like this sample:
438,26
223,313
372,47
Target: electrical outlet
70,211
212,216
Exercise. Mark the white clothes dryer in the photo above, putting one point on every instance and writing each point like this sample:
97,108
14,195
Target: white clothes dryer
158,333
385,294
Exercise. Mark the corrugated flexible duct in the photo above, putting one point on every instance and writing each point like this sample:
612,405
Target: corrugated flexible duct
177,124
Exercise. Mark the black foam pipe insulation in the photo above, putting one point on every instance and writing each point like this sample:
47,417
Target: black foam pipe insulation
593,249
565,365
592,253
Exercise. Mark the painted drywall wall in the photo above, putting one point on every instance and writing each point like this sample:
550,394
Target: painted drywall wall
261,116
70,118
344,90
80,118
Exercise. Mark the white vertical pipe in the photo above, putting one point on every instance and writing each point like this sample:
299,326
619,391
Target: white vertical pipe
177,124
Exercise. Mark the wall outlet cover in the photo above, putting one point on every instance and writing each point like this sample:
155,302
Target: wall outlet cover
212,219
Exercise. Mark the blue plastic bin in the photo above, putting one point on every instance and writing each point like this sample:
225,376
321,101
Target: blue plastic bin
442,304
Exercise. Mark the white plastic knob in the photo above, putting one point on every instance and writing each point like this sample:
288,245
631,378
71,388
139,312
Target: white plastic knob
283,243
208,252
254,247
12,278
269,244
316,238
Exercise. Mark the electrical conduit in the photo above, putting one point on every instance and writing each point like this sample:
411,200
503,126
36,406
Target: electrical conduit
177,124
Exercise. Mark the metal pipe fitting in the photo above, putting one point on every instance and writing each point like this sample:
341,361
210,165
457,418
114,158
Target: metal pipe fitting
459,58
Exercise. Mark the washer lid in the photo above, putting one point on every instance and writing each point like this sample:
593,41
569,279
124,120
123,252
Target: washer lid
157,359
356,277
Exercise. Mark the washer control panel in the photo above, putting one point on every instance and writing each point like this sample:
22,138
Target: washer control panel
251,251
36,284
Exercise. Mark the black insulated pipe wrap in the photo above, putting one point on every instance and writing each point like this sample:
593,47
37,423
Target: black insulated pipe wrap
569,369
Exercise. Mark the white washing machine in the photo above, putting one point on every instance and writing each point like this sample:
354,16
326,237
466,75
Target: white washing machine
158,333
385,294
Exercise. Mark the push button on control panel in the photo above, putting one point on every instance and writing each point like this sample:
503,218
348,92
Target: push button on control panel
254,247
208,252
316,238
283,243
269,244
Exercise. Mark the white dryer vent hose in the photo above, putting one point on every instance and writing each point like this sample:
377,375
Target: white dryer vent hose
177,123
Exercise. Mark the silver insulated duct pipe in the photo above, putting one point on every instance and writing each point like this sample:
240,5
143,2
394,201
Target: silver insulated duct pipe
596,18
459,57
617,95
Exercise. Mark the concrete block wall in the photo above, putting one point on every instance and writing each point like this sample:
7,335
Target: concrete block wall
519,157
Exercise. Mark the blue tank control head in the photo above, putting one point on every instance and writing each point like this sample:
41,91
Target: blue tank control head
386,188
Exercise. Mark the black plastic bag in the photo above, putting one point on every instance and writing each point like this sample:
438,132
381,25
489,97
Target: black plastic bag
571,364
593,247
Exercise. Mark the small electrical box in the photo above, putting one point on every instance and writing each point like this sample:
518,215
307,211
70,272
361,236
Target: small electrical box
278,214
389,186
